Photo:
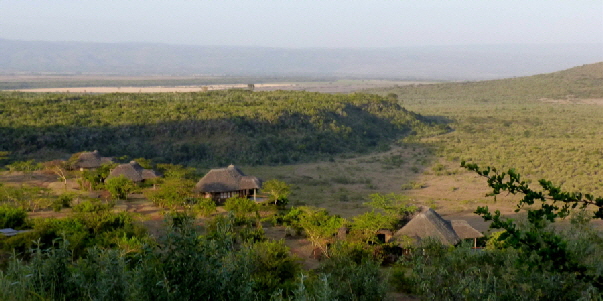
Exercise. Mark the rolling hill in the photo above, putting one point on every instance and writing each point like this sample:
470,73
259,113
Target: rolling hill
428,62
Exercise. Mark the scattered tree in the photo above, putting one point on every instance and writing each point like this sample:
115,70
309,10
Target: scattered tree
278,190
119,187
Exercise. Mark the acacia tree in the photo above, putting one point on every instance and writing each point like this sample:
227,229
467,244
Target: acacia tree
278,190
365,226
319,226
549,248
59,168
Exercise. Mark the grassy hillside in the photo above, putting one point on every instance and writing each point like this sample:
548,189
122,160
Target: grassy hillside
213,128
546,126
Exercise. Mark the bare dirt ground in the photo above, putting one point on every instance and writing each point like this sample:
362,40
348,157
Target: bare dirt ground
586,101
342,86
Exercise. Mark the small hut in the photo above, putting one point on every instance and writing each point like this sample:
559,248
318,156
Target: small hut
90,160
223,183
133,171
428,223
465,231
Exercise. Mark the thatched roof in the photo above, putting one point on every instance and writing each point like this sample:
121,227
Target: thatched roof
91,160
88,160
133,171
428,223
464,230
227,179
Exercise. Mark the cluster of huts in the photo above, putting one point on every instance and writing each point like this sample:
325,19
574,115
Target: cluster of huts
218,184
223,183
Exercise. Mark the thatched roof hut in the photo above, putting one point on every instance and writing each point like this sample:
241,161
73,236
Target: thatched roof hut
133,171
227,179
227,182
464,230
428,223
88,160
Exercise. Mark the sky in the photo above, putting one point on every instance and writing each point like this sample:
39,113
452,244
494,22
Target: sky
305,24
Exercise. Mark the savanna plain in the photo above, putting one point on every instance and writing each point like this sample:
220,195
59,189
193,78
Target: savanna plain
340,160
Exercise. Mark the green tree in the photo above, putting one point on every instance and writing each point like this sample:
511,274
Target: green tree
392,204
205,207
365,226
319,226
242,207
172,192
278,190
119,187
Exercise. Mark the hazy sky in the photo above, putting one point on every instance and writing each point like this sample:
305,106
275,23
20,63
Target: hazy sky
303,23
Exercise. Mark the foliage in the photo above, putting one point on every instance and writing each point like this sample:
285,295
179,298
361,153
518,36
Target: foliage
463,274
92,205
205,207
29,198
25,166
394,205
62,201
170,171
549,250
319,226
119,187
94,178
171,193
365,226
545,126
101,229
353,278
11,217
144,163
278,191
242,208
254,127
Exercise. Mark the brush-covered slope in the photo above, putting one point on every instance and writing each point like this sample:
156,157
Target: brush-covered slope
545,126
218,127
579,82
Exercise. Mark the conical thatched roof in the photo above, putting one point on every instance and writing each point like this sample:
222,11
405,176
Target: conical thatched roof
227,179
91,160
133,171
464,230
88,160
428,223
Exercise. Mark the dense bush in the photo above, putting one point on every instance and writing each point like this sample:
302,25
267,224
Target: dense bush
217,127
11,217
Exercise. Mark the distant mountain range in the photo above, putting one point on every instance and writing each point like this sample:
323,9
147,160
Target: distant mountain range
433,62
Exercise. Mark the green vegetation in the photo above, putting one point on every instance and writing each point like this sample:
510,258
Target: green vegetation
212,128
119,187
543,125
540,262
11,217
278,191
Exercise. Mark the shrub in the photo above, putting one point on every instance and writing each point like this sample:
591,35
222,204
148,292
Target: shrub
241,207
205,207
11,217
63,201
93,205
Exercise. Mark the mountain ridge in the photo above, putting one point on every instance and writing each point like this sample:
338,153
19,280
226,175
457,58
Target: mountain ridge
472,62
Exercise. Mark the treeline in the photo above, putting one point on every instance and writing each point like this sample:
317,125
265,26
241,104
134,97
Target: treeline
217,127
